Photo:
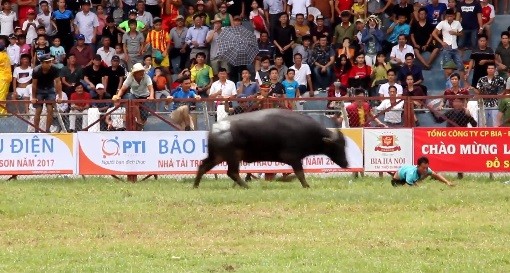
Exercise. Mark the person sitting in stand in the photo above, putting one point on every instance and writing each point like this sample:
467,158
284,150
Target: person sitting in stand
79,108
359,75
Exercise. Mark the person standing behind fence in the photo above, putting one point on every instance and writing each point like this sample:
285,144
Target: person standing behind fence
46,89
22,80
452,91
503,116
490,85
359,112
140,86
395,106
5,73
79,108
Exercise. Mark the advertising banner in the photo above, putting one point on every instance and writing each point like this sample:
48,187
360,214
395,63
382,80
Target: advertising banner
105,153
464,149
37,154
387,149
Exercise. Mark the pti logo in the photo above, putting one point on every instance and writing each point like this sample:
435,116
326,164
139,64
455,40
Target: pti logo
387,143
111,147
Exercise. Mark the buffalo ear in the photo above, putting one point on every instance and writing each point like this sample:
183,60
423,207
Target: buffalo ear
328,140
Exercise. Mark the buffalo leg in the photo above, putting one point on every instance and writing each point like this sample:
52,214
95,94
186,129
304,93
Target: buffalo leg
298,170
233,173
206,166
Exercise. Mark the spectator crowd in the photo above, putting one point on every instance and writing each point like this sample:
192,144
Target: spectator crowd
104,50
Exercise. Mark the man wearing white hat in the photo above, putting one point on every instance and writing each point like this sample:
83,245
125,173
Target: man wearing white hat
140,86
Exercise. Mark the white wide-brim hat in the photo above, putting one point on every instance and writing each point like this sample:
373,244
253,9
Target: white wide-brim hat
137,67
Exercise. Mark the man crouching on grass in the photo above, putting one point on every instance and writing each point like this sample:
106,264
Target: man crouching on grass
410,175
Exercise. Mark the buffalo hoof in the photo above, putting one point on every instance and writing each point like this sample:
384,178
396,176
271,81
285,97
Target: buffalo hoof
306,186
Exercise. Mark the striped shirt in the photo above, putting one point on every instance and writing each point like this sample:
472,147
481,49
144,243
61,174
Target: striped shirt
158,39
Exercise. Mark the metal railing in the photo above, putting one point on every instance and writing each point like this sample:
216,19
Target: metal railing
329,111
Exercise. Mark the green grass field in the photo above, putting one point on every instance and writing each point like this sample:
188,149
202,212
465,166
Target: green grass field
336,226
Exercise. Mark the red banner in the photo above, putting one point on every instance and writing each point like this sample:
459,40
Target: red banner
464,149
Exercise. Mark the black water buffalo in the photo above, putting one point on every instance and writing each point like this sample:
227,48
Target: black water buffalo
270,135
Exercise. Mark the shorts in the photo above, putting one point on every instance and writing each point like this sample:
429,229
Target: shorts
24,92
44,97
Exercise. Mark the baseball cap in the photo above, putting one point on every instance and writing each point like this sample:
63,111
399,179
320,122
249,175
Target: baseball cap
179,17
12,36
116,58
80,37
99,86
237,18
359,20
31,11
157,20
200,2
85,2
97,57
319,17
45,57
133,11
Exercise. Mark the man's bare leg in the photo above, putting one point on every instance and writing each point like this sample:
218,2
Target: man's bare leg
49,116
37,118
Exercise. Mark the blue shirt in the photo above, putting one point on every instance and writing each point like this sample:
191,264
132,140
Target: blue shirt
290,88
181,94
397,30
198,35
410,174
249,90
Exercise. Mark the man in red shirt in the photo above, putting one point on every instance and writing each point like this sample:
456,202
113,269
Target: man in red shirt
79,108
359,112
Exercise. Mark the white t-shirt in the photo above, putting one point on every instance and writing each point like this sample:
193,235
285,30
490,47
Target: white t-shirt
7,21
22,75
14,52
445,28
31,31
299,6
86,24
400,54
301,74
106,56
227,89
384,89
395,114
46,21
